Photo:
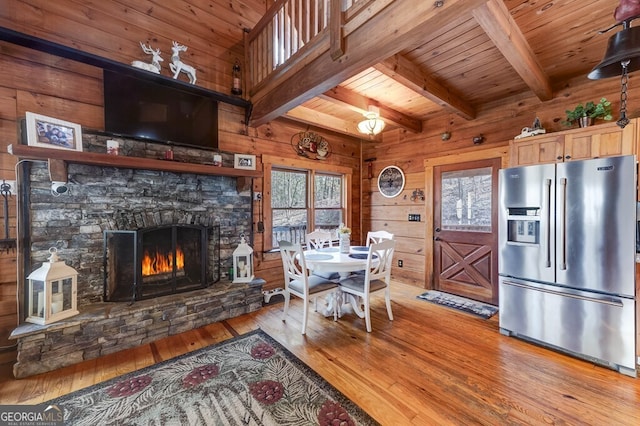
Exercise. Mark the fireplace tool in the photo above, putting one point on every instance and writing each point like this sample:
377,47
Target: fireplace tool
6,243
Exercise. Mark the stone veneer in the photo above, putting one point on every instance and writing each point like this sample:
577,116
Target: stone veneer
102,198
105,328
108,198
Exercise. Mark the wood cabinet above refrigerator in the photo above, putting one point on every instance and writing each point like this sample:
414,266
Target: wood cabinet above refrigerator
603,140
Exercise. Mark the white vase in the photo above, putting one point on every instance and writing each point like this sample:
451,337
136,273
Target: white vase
345,243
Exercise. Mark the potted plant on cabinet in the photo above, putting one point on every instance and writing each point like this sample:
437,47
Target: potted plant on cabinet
585,114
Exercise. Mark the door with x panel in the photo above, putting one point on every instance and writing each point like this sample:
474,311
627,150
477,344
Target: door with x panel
465,229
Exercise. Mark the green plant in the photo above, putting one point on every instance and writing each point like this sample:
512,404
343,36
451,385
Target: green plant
592,110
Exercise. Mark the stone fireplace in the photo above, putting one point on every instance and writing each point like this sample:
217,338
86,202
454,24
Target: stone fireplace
103,227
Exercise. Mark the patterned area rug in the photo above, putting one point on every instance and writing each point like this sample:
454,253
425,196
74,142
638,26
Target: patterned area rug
460,303
248,380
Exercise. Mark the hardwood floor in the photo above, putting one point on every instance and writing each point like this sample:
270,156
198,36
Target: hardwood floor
430,366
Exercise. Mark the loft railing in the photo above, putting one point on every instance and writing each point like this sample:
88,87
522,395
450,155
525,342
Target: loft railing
293,32
287,27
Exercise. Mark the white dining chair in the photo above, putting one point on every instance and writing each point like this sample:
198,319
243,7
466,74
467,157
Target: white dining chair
378,236
377,277
320,239
298,281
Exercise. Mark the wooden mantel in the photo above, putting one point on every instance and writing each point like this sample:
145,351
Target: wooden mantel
106,160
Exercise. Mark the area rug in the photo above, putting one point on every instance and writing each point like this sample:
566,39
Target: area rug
248,380
460,303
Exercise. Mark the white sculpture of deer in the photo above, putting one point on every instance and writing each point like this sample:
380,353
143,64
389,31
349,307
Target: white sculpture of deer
154,66
177,66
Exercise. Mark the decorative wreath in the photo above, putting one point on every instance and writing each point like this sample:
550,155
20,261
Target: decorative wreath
311,145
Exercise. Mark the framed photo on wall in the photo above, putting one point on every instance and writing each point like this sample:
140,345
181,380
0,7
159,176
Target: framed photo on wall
244,161
48,132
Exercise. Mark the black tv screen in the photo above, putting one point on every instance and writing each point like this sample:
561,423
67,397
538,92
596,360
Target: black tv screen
145,109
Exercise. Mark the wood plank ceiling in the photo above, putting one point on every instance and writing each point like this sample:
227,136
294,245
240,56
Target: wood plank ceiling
489,53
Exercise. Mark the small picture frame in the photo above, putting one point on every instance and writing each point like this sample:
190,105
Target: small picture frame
244,161
48,132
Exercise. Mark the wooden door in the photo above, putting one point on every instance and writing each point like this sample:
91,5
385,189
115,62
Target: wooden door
466,229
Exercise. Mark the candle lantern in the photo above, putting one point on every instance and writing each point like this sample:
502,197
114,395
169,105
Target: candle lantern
243,262
52,291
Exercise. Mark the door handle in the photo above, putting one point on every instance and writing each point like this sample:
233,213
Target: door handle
437,229
437,239
547,230
613,301
563,224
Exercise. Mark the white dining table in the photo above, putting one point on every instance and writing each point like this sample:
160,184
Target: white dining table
330,259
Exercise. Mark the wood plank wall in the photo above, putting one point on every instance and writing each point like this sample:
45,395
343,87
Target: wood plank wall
498,123
56,87
213,32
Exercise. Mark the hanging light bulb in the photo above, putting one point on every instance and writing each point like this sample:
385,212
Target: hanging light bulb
372,124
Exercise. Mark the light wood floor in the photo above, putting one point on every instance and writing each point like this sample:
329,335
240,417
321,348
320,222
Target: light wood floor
430,366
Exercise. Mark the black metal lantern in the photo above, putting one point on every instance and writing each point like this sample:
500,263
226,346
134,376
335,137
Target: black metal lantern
621,58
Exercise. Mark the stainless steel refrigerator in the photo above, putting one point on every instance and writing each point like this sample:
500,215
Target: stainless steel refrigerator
567,258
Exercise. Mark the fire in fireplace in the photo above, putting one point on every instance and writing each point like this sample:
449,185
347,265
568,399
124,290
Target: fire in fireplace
159,263
159,260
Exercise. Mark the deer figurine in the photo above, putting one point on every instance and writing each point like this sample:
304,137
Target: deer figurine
154,66
177,66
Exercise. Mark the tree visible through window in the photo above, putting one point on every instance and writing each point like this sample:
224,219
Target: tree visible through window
304,200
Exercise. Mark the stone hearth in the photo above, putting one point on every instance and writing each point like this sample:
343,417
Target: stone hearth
105,328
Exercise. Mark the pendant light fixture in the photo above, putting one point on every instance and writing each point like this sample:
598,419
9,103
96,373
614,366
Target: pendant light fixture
372,124
623,53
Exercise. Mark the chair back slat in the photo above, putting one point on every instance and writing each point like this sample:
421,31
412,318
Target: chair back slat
382,270
294,269
319,239
378,236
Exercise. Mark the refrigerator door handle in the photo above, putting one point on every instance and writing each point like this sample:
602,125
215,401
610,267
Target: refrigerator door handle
547,230
563,224
607,300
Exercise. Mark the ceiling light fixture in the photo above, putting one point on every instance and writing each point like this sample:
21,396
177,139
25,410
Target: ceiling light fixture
373,124
623,53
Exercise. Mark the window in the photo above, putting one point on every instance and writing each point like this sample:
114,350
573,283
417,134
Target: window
327,201
302,200
466,200
289,206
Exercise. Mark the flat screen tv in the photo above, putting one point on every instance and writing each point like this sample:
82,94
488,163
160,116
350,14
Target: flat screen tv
149,110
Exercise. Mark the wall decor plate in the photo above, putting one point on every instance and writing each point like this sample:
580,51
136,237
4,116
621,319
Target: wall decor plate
310,145
391,181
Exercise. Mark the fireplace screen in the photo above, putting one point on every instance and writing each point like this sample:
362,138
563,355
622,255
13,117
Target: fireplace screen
158,261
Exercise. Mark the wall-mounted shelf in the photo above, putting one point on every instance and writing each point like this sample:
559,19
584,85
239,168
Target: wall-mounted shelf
63,51
106,160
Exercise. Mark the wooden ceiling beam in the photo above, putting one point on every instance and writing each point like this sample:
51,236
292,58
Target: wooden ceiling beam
360,104
496,21
410,75
400,25
309,116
